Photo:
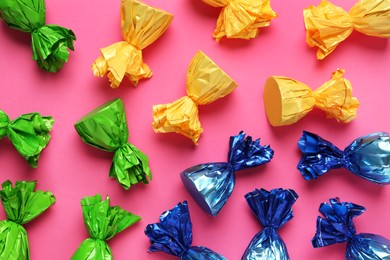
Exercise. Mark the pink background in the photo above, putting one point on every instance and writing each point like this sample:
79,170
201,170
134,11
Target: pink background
71,169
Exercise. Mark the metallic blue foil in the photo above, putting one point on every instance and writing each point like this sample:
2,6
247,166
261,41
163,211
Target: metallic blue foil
337,227
273,210
211,184
173,235
367,157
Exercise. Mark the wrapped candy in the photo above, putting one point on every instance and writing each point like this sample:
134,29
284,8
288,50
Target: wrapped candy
106,128
141,26
241,18
206,82
287,100
50,43
273,210
29,133
337,227
173,235
328,25
102,222
21,205
211,184
367,157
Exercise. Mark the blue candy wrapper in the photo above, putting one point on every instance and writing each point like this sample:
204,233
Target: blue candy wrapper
273,210
211,184
338,227
173,235
367,157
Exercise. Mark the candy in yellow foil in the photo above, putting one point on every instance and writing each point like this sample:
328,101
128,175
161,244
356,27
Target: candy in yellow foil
241,18
287,100
328,25
141,26
206,82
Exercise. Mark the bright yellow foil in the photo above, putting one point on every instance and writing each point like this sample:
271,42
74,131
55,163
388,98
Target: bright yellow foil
141,26
328,25
287,100
206,82
241,18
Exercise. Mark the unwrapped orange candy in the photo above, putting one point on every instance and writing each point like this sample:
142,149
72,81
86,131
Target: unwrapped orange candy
141,26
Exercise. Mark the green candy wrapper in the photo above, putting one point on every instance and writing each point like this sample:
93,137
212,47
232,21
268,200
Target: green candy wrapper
21,205
50,43
106,128
102,222
29,134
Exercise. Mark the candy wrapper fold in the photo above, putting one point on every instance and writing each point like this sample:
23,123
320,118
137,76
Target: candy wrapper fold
102,222
273,209
211,184
328,25
141,26
367,157
29,133
106,128
205,83
337,227
21,205
173,235
287,100
241,18
50,43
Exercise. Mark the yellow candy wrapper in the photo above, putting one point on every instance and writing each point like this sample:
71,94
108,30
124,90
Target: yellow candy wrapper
287,100
141,26
328,25
205,83
241,18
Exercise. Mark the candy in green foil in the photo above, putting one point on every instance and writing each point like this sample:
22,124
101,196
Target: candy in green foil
50,43
102,222
29,133
106,128
21,205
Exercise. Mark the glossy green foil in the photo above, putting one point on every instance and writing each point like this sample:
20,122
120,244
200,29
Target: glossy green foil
50,43
106,128
21,205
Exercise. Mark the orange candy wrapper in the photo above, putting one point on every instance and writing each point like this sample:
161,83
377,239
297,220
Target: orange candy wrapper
241,18
141,26
328,25
206,82
287,100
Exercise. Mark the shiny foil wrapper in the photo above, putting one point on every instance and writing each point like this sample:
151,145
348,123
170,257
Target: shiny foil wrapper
211,184
50,43
287,100
273,210
337,227
21,205
106,129
241,19
141,26
102,222
327,25
367,157
29,134
173,235
205,83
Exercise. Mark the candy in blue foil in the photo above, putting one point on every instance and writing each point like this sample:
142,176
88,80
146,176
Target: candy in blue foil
173,235
367,157
211,184
273,210
337,227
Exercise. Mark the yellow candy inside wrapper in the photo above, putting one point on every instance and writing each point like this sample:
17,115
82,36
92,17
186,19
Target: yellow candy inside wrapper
328,25
141,26
205,83
287,100
241,18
